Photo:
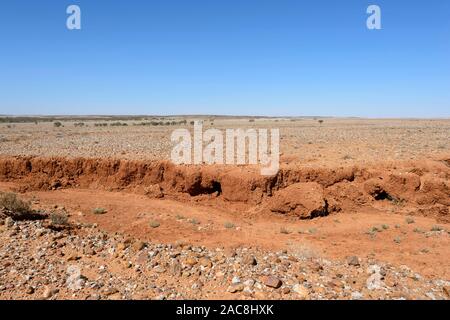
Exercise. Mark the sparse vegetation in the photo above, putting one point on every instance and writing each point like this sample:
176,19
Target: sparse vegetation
59,219
283,230
118,124
375,229
229,225
437,228
409,220
57,124
99,211
154,224
12,203
194,221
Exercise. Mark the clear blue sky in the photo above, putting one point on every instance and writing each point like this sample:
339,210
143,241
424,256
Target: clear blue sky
284,57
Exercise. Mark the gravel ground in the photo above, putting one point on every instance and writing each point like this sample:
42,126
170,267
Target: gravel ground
39,261
335,141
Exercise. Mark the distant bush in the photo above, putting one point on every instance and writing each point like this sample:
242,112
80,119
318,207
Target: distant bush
229,225
283,230
409,220
118,124
57,124
154,224
79,124
59,219
99,211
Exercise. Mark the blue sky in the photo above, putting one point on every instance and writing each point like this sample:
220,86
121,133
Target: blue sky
239,57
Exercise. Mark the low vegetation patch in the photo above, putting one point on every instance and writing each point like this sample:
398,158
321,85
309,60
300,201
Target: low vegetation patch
18,209
99,211
59,221
409,220
154,224
229,225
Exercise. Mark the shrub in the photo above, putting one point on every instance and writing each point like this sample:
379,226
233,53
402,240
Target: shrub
284,230
57,124
194,221
409,220
99,211
59,219
11,203
437,228
18,209
154,224
229,225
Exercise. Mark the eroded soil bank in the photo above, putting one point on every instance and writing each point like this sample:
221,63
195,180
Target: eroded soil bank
415,187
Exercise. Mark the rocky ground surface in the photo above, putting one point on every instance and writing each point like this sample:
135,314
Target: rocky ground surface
41,260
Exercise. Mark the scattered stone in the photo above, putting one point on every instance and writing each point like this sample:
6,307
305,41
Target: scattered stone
301,291
205,262
110,291
138,245
356,295
235,280
49,292
190,261
236,288
353,261
272,281
249,260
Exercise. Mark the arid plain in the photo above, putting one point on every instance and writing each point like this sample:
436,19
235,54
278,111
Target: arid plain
358,210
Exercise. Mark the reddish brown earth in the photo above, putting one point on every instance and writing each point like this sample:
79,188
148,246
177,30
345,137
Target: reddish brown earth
325,211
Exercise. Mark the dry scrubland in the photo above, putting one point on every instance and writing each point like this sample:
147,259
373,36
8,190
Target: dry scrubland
304,140
92,209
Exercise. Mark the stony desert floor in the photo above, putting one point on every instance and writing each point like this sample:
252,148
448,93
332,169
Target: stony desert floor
358,210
